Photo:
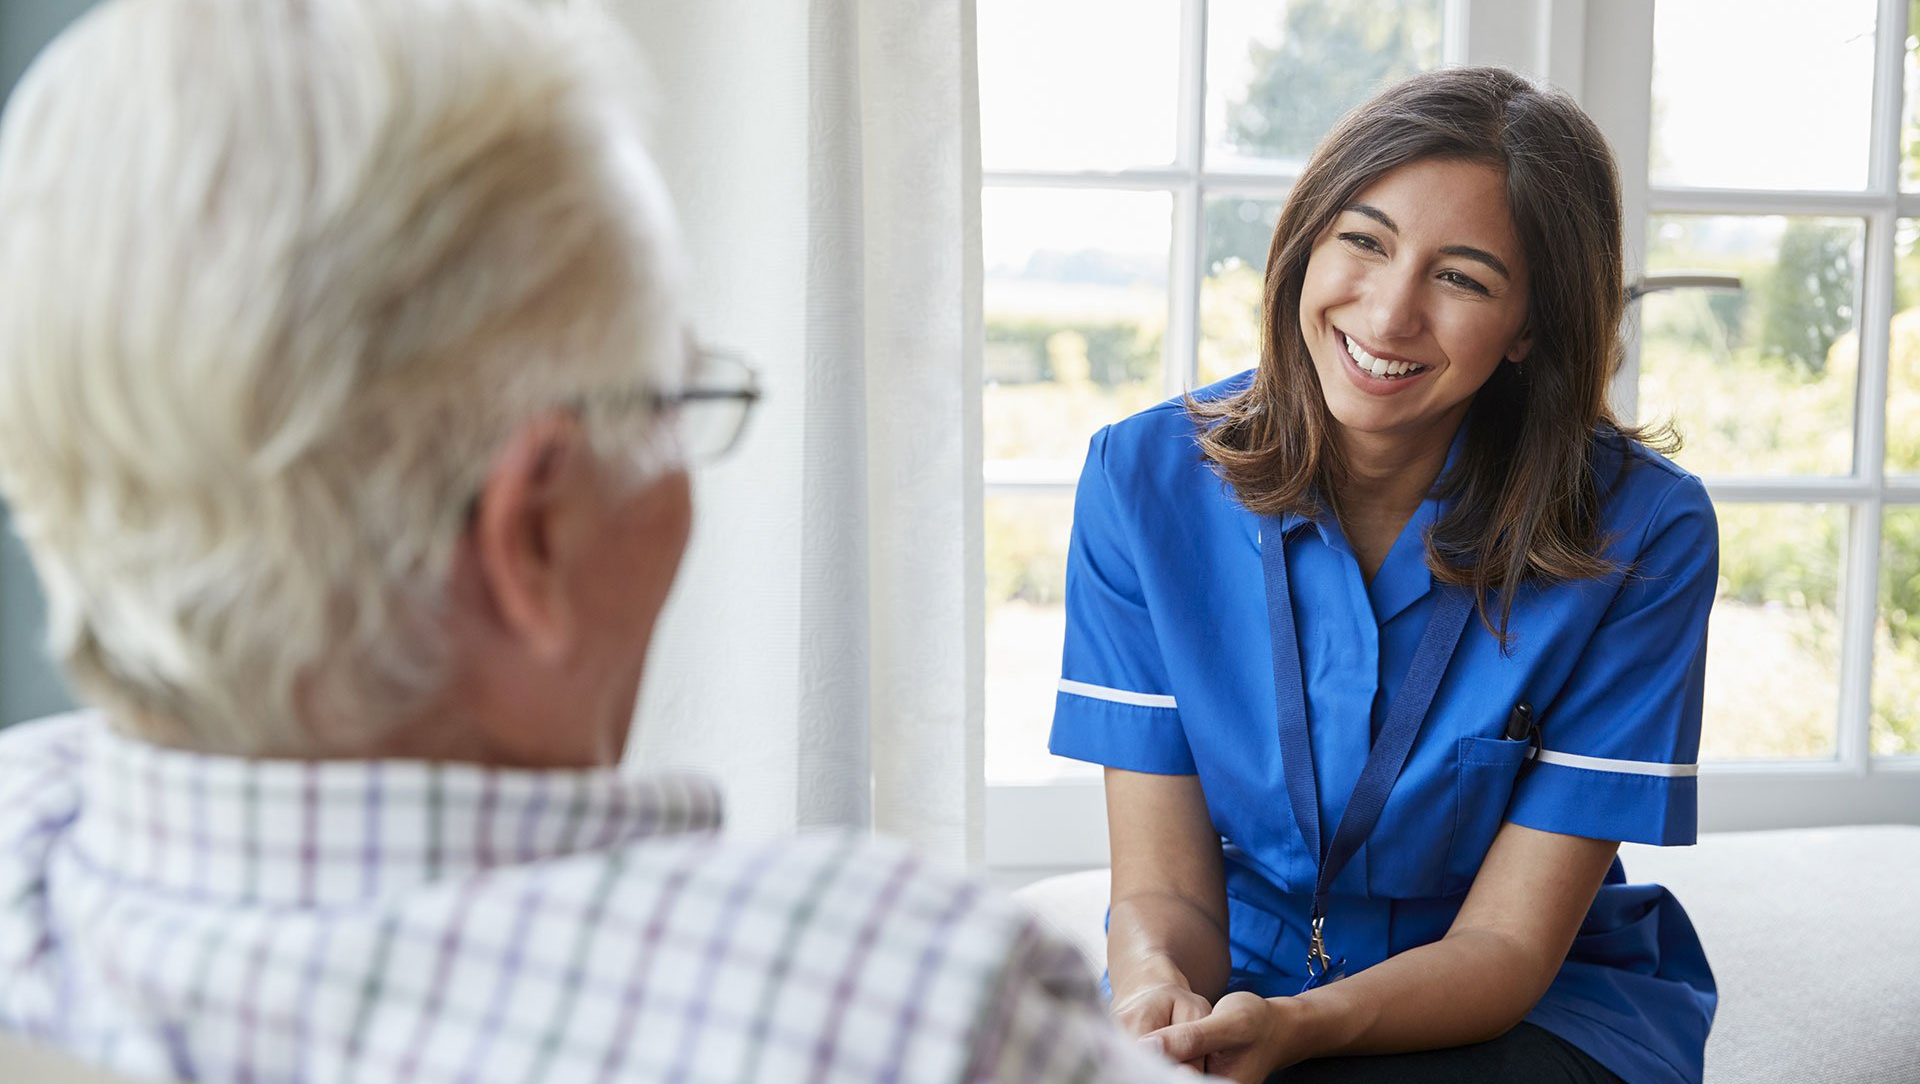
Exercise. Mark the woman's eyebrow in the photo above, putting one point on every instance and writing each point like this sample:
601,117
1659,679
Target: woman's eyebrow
1465,252
1374,213
1479,255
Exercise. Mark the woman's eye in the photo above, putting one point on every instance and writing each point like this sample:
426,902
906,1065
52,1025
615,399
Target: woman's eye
1361,241
1462,281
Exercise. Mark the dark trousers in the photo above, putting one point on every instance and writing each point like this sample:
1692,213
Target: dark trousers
1525,1055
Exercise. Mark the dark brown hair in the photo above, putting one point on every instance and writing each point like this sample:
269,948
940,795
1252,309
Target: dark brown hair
1524,499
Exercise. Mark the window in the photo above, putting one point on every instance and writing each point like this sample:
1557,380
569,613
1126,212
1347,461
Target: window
1798,396
1136,154
1792,394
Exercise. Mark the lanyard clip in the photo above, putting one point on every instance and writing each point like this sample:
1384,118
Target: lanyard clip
1322,968
1318,962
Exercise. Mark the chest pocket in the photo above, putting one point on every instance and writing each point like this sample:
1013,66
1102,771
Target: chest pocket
1442,817
1483,785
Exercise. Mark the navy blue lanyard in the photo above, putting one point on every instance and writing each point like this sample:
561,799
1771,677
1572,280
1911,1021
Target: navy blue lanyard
1389,752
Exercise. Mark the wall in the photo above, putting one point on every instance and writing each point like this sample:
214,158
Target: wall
28,684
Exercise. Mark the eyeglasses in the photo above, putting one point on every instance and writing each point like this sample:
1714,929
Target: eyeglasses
707,416
710,412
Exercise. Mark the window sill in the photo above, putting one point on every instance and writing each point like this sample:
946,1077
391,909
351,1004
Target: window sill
1034,829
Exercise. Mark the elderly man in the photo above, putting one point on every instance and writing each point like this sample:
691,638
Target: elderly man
345,401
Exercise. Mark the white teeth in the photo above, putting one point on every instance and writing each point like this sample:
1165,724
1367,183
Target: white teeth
1376,366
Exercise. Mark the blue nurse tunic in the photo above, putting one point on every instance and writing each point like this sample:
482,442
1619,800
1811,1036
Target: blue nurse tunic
1168,669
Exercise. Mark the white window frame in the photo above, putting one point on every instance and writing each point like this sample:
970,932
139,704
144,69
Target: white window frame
1602,53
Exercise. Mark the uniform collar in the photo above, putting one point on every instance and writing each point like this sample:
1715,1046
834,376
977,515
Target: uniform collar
1404,577
299,833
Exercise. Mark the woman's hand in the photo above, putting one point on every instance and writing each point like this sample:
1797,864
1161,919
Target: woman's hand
1246,1038
1157,1006
1167,928
1160,1005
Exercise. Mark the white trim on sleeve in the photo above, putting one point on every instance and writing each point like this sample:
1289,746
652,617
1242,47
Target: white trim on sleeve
1118,696
1602,764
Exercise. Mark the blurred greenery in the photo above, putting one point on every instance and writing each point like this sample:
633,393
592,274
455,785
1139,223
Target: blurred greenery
1896,672
1756,392
1028,349
1027,548
1053,421
1903,394
1780,553
1773,650
1895,725
1051,383
1239,231
1759,381
1809,296
1230,299
1327,57
1910,127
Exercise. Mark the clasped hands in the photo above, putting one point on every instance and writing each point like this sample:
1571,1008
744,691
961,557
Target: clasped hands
1244,1037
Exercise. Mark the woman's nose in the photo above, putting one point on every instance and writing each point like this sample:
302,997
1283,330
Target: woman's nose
1395,304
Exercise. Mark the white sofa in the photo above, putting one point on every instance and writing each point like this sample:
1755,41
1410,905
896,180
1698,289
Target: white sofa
1813,934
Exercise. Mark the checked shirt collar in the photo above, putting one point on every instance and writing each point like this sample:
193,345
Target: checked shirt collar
321,834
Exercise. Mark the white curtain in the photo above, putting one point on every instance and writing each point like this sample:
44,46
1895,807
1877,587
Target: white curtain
822,653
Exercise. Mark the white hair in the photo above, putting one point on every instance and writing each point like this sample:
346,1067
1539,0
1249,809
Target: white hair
281,276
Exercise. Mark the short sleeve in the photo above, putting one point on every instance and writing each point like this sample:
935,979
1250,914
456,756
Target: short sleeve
1619,744
1115,705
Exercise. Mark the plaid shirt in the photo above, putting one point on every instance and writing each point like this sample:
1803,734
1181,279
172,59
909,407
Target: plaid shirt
166,913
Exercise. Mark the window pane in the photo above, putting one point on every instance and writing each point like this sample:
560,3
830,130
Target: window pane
1903,376
1280,74
1896,637
1773,648
1910,115
1758,381
1762,93
1238,231
1076,312
1078,84
1026,623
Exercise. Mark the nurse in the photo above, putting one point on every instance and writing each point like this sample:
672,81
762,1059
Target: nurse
1387,643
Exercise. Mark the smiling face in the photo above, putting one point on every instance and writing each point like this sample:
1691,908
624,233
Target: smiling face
1413,296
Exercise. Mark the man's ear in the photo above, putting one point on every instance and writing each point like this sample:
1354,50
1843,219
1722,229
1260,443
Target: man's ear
520,532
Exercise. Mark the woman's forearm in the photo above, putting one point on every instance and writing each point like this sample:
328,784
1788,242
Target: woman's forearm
1502,952
1168,922
1156,937
1468,987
